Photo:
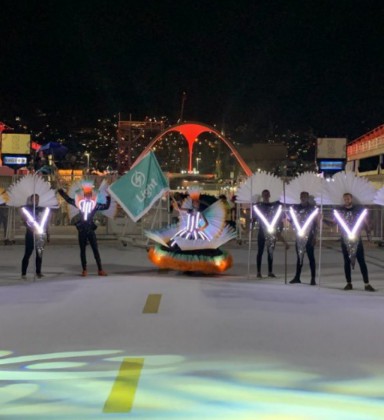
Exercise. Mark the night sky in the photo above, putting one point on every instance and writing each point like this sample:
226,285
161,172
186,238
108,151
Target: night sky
273,65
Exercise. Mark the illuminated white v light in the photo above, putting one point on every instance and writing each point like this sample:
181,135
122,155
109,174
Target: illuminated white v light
302,229
86,206
351,233
270,226
38,226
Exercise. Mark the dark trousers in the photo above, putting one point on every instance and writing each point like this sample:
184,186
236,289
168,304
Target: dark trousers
85,237
29,245
260,251
310,249
360,259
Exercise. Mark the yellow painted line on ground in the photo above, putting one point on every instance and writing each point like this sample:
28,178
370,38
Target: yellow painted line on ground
152,304
121,398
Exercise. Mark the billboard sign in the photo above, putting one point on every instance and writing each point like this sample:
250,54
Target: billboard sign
331,148
16,144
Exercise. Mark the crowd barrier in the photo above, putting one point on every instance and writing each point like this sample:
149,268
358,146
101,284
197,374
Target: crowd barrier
125,230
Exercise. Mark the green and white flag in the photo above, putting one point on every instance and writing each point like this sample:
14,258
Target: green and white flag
140,188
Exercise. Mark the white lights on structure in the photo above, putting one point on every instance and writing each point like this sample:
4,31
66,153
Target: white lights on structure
351,233
86,207
301,230
192,228
38,226
270,226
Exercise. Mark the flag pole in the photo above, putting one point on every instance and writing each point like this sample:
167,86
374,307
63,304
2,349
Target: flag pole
250,231
321,232
285,246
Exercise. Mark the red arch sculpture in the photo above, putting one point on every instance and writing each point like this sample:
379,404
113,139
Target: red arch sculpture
191,132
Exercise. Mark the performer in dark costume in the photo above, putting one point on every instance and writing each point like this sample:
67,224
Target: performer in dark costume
303,217
269,216
351,244
351,218
35,212
86,201
35,218
265,189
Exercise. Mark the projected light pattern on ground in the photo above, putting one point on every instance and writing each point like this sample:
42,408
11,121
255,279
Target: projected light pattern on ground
78,385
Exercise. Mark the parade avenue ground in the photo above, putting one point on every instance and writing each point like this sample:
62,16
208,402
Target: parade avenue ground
149,344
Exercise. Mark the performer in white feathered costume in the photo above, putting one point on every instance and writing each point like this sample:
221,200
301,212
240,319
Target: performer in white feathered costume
85,201
264,189
303,216
193,244
35,197
350,193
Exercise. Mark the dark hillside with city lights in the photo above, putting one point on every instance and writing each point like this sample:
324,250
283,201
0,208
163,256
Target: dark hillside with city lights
260,72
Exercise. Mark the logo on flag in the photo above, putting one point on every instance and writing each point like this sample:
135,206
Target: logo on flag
140,188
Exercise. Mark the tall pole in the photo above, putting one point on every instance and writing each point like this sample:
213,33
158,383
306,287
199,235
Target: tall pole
250,231
321,232
284,233
183,98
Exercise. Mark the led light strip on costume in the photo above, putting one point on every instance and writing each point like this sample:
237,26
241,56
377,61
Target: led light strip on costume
351,233
191,228
38,227
270,226
86,207
301,230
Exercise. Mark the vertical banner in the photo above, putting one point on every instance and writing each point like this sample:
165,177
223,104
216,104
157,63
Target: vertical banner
140,188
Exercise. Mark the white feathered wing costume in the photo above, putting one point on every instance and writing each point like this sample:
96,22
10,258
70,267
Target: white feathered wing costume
23,188
250,191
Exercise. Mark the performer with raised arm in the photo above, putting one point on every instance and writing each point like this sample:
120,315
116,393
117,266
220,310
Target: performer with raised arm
193,244
86,201
351,218
35,212
303,217
268,212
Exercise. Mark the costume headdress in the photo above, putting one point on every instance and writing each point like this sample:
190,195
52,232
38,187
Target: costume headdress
362,191
87,186
28,185
194,192
309,182
379,197
250,191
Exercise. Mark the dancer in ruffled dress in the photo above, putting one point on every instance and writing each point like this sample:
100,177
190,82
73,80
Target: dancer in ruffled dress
193,244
